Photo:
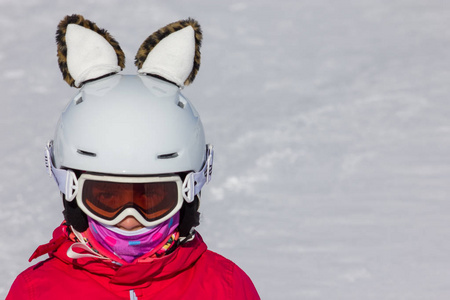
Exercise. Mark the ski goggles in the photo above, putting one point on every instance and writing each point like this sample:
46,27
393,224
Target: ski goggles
110,199
148,212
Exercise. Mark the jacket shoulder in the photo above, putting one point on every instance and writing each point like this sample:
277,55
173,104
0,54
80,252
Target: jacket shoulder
20,289
37,279
227,276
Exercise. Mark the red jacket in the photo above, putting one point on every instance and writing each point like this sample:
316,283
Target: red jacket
190,272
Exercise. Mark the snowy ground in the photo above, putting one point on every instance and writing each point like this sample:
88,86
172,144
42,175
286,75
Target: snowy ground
331,122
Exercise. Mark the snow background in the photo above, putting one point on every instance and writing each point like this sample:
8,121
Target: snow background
330,120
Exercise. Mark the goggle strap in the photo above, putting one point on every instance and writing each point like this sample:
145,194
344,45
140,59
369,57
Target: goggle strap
194,181
209,162
65,179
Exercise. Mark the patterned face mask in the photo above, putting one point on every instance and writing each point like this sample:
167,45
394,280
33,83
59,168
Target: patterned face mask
130,245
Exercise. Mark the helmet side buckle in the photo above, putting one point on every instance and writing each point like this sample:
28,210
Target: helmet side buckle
194,181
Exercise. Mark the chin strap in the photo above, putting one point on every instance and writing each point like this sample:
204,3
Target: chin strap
68,184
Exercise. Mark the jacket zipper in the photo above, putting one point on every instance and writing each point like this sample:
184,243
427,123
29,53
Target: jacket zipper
133,295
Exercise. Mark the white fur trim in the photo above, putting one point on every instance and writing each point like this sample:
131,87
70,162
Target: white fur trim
173,57
89,55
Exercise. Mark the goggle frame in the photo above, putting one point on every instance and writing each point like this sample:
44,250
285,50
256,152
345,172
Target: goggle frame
129,211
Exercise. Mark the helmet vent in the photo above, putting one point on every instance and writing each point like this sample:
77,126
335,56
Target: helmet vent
181,104
168,156
86,153
78,98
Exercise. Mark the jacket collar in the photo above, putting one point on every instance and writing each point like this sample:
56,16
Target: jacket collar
136,273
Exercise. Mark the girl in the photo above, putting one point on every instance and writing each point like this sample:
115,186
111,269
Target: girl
130,159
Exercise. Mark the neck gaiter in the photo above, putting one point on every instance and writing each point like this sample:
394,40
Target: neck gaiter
130,245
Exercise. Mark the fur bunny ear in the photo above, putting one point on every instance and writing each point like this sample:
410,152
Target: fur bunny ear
86,52
172,52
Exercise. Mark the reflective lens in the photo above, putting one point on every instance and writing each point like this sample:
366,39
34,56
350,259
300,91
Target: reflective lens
152,197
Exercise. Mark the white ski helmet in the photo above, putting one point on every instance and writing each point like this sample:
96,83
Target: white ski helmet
129,125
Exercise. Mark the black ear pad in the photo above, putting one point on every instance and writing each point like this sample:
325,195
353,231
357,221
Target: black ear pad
189,217
74,216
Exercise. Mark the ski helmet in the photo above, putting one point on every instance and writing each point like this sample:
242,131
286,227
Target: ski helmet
129,125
